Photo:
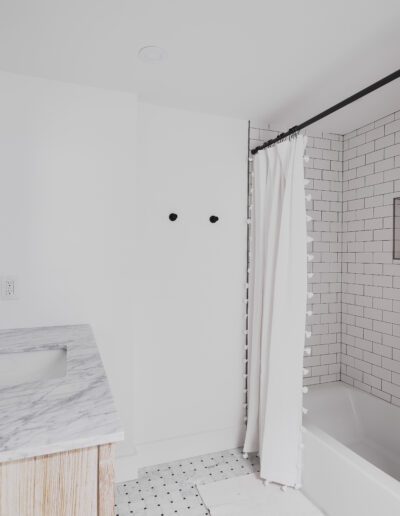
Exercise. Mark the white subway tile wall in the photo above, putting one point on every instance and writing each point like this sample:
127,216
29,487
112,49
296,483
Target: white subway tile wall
355,322
370,277
324,172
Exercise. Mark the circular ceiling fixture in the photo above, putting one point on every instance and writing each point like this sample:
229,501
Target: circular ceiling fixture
152,54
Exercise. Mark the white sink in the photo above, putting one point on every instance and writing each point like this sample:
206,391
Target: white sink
30,366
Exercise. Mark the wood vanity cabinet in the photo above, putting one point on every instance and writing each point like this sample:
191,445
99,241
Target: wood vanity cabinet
71,483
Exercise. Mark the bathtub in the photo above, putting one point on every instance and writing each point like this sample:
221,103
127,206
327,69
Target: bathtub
351,452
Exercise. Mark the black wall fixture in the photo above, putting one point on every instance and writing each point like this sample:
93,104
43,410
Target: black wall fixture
214,219
172,217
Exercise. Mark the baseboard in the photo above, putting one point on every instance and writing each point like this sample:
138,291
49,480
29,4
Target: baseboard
126,468
182,447
192,445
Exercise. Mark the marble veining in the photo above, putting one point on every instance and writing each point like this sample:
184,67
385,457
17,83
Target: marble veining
73,411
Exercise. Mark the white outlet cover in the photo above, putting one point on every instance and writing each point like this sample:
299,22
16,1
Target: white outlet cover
9,288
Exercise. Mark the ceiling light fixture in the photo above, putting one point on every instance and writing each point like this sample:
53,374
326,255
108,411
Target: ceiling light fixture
152,54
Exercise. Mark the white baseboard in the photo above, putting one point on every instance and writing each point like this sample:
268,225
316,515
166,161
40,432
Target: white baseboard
126,468
186,446
182,447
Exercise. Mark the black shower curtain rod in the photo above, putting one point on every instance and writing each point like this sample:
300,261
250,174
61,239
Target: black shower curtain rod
336,107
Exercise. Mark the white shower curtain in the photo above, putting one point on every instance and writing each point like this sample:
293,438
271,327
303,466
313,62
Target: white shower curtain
277,311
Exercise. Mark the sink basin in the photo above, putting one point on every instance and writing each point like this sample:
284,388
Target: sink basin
31,366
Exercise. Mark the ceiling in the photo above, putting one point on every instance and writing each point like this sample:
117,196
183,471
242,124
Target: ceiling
273,61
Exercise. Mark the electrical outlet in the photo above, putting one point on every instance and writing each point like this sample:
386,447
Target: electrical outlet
9,289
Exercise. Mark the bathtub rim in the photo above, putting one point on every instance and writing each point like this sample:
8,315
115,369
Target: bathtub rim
363,466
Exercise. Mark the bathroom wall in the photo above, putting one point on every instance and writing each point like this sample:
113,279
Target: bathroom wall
324,173
371,278
67,183
190,290
84,227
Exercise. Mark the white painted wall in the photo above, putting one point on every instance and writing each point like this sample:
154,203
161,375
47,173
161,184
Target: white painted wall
189,314
67,178
87,233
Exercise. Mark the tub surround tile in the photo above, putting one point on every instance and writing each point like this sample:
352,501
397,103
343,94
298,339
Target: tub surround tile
73,411
356,282
371,271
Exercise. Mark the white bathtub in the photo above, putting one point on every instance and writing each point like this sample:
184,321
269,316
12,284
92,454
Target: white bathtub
352,452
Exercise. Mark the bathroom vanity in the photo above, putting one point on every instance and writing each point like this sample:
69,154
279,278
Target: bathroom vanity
58,424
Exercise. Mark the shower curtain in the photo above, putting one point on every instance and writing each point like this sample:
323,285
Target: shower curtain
277,311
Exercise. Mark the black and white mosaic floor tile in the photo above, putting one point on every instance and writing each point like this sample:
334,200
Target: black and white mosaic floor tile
170,489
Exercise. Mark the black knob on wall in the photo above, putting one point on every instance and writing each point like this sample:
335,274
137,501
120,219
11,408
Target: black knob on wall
214,219
173,216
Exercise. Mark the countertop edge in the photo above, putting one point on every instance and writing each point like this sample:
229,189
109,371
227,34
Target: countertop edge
51,449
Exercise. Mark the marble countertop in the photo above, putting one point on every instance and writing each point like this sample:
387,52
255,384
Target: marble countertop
48,416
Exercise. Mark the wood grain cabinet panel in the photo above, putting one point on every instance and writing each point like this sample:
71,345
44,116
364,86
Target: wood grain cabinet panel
73,483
